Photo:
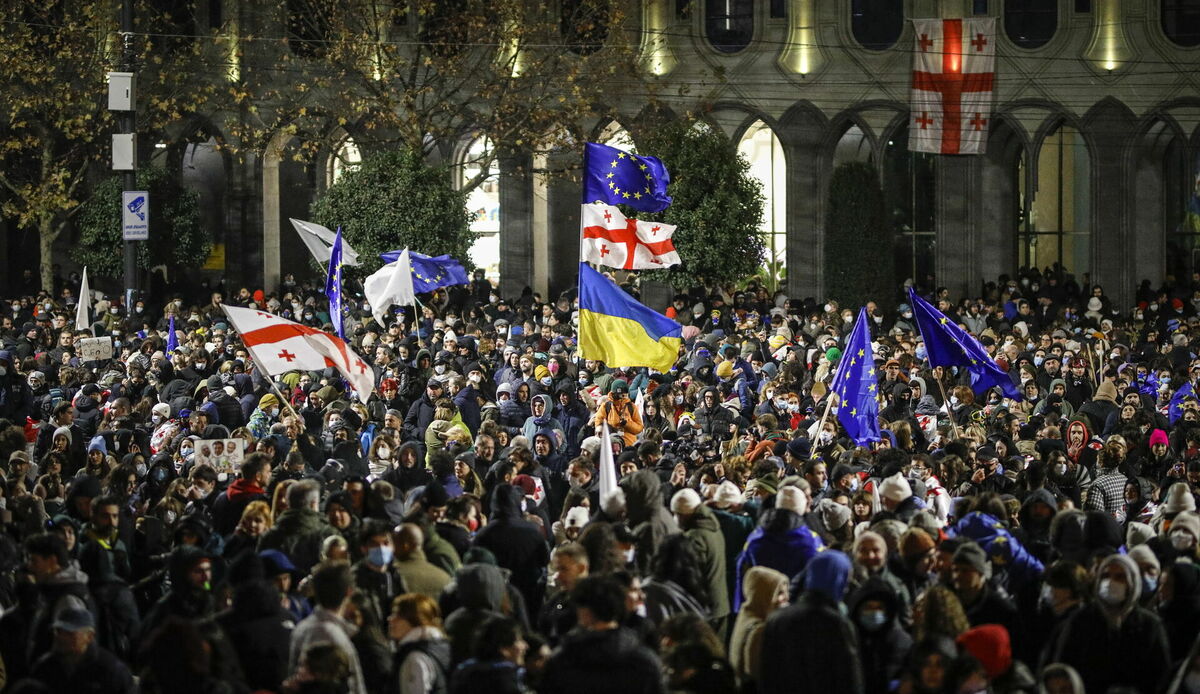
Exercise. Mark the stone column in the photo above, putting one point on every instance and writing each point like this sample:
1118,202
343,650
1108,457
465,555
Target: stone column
516,223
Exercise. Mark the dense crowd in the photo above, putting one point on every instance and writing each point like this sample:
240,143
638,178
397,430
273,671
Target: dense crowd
175,521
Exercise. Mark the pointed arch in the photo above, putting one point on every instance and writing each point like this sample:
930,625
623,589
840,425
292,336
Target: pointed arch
477,158
762,148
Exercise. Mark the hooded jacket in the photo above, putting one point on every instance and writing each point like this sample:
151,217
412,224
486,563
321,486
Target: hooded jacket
298,533
600,662
648,517
534,424
705,534
783,542
480,591
517,544
573,417
1115,644
884,648
228,507
760,586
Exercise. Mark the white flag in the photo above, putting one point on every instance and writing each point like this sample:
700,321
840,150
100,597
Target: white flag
319,240
608,468
82,321
390,284
278,346
609,238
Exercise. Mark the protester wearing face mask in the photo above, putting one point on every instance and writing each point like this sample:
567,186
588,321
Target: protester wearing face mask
1113,641
883,644
1183,535
264,416
376,574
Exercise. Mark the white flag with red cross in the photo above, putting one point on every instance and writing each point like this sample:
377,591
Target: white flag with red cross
278,346
609,238
953,85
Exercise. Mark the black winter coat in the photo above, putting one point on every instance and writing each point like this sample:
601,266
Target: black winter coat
517,544
817,650
600,662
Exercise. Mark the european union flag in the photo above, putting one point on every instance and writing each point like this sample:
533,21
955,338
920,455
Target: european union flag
431,272
949,345
333,285
619,178
172,340
857,386
1175,409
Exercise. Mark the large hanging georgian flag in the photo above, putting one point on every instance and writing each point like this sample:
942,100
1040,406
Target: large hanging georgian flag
953,86
609,238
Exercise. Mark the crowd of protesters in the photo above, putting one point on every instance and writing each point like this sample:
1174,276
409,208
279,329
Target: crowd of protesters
450,534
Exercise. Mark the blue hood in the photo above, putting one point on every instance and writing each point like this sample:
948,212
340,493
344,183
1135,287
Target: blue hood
828,573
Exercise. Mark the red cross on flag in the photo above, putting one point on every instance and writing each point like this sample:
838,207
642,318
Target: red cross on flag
611,239
953,86
278,345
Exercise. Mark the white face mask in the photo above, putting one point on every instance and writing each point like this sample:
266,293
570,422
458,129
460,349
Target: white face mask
1182,540
383,452
474,378
1060,469
825,437
1111,592
274,412
439,369
954,401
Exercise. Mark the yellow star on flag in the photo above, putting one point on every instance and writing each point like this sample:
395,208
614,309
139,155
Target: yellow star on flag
625,195
622,155
637,196
943,321
614,164
610,175
862,353
854,412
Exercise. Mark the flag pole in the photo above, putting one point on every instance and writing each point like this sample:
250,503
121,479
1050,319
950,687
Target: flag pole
286,402
950,412
821,427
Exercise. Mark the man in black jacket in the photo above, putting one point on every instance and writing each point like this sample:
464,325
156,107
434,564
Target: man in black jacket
818,646
516,543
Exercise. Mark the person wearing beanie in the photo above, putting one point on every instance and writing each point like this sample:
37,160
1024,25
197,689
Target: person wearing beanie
988,475
736,526
984,604
700,526
782,541
1184,535
1160,459
991,646
1111,641
897,496
831,521
822,645
1150,570
918,556
1179,498
264,415
618,410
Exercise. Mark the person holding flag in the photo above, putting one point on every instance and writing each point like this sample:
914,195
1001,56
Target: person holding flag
333,286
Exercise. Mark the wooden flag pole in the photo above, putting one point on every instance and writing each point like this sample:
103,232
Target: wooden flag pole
949,411
821,427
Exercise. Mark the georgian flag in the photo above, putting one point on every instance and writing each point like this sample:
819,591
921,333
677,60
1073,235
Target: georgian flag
278,346
953,85
611,239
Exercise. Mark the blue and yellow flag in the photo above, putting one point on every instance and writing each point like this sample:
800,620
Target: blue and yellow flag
333,286
857,385
617,330
616,177
949,345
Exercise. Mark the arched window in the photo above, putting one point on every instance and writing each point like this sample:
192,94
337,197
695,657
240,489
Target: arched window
1181,21
876,24
584,25
729,24
1057,205
346,157
484,202
910,192
763,150
1030,23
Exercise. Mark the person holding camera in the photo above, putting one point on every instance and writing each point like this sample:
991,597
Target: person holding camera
618,410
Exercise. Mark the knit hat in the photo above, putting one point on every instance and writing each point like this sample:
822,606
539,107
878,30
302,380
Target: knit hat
800,448
267,401
895,488
990,645
973,556
1179,499
435,495
792,499
725,370
1138,534
1189,521
834,515
768,483
685,502
1144,555
531,487
576,518
727,495
914,543
1158,436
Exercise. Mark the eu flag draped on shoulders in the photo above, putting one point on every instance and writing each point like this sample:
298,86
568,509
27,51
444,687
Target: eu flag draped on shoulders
431,272
617,330
617,177
856,385
333,286
1175,409
949,345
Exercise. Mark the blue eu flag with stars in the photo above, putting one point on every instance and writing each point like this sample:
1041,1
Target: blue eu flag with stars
949,345
333,285
617,177
856,385
431,272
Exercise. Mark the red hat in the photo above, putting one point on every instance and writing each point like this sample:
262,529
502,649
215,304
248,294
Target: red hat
259,298
990,645
1176,303
531,487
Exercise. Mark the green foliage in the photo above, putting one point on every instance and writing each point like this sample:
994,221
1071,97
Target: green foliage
177,238
717,206
395,200
859,265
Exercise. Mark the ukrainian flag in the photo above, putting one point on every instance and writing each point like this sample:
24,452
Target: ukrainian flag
617,330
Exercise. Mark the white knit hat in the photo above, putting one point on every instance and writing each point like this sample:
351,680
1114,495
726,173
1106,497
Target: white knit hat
577,517
685,502
1179,499
895,488
792,499
727,494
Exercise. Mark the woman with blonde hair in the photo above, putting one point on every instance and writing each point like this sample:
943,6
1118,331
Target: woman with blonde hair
938,612
279,502
422,649
256,519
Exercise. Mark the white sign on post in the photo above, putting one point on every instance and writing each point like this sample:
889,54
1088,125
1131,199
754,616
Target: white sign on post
135,215
95,349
